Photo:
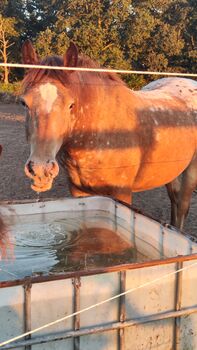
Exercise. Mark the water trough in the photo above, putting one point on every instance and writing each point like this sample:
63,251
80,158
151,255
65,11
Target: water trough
160,311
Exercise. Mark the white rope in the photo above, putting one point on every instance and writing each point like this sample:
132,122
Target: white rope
95,305
101,70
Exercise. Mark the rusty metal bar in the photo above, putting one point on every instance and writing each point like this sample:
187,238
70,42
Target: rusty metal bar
116,268
178,302
122,310
27,312
76,308
99,329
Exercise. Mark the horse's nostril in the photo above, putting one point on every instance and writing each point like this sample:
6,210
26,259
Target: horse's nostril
53,165
30,167
54,168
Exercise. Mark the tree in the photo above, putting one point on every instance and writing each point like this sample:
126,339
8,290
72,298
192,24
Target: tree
145,34
95,27
38,15
7,33
188,29
157,33
51,42
127,34
3,6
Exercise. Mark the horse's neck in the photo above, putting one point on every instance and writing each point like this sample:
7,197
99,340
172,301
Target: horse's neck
103,105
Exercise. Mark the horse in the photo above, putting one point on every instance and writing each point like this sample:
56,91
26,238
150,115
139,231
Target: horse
112,140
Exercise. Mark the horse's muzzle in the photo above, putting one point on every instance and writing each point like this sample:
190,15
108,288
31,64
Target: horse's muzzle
41,174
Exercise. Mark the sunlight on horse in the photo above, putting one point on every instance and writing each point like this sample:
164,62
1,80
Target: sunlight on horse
113,141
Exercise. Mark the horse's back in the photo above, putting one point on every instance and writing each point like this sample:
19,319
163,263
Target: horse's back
166,83
182,88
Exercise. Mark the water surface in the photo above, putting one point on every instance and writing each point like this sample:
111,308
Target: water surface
59,242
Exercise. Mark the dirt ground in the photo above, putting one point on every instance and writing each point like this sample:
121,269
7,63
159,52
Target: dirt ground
15,185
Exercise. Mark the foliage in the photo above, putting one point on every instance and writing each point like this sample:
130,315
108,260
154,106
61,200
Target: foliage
126,34
9,93
96,28
154,38
49,42
10,88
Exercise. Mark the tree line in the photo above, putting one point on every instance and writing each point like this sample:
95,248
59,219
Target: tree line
125,34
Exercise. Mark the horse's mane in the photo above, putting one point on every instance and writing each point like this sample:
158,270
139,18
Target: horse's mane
36,75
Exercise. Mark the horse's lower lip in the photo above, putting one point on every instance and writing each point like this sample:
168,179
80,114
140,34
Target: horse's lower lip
41,188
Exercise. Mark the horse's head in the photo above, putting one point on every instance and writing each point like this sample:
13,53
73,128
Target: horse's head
49,104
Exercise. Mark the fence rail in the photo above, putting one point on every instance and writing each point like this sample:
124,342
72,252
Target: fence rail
100,70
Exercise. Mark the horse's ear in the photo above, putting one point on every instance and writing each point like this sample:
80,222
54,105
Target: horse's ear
29,54
71,56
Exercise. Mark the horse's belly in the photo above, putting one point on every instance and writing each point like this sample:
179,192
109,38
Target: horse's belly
167,160
157,175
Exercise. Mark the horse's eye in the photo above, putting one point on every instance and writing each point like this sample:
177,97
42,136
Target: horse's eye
23,103
71,105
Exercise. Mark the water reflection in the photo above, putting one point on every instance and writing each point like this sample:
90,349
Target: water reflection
54,243
94,247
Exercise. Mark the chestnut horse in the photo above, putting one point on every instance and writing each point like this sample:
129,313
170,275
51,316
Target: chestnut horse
112,140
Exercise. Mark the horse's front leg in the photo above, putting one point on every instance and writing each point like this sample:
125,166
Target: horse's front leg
123,197
78,192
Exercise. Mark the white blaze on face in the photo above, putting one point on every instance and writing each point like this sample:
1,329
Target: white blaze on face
48,93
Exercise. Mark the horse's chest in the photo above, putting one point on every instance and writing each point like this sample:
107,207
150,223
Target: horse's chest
98,169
